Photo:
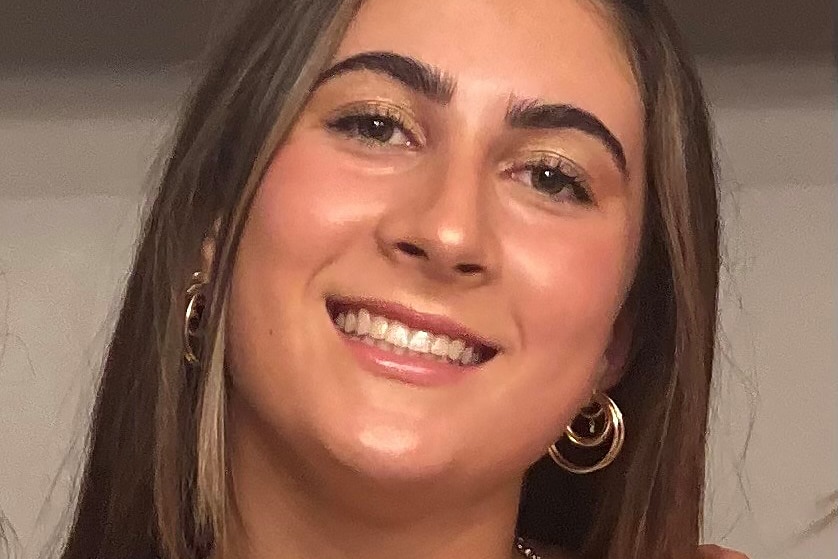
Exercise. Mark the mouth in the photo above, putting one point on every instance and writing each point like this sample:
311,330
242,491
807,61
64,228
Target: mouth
403,331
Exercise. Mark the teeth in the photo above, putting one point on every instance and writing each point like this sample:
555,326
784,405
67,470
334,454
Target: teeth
455,349
364,322
440,346
393,336
378,327
467,356
351,323
420,342
397,335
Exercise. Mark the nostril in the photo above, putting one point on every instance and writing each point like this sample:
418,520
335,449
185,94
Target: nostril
469,269
411,249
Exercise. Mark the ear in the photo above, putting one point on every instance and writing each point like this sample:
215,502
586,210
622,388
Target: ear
617,353
208,248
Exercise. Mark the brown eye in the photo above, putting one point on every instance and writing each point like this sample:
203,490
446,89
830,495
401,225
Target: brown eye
553,177
555,183
374,129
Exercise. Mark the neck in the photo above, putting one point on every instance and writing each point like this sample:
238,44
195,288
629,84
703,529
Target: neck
286,508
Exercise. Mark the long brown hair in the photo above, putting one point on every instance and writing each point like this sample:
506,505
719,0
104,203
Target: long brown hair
155,480
648,504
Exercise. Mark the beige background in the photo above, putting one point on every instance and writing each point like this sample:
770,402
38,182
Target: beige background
76,144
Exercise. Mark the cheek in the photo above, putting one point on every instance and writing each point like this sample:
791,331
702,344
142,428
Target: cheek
570,284
304,213
577,275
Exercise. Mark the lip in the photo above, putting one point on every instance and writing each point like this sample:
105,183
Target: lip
415,320
408,368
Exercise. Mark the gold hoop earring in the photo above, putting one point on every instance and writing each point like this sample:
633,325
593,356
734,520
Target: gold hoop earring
613,426
196,301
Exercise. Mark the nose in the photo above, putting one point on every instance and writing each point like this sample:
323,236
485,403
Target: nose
442,228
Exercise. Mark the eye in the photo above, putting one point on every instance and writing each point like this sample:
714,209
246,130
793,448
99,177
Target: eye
555,177
375,126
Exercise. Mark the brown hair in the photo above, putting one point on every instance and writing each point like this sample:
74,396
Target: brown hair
155,481
648,504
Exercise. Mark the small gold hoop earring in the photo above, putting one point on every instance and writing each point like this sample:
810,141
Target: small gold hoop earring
196,301
613,426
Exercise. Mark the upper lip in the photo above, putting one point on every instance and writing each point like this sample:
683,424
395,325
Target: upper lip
413,319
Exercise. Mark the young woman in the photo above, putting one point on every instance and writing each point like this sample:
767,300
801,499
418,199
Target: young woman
423,279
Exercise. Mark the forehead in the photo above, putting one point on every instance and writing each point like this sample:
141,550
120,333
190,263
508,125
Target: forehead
557,51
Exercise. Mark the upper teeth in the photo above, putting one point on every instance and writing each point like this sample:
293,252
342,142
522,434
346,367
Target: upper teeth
390,332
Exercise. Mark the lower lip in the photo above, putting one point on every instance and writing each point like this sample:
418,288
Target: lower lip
409,369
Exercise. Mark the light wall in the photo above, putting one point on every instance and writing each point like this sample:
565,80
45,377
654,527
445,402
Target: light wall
777,377
75,154
76,157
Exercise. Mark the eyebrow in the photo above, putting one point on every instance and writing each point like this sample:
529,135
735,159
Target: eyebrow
439,87
535,114
422,78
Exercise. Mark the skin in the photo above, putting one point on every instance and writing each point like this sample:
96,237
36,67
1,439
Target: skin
331,461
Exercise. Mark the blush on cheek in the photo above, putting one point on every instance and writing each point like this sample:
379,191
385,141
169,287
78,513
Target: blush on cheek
575,287
306,204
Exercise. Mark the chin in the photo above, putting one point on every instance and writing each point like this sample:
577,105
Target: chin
386,452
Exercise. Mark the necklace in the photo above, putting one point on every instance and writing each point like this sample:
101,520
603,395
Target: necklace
525,550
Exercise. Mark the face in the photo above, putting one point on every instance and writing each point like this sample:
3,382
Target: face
466,181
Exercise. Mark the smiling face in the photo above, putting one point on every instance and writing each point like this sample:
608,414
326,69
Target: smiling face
467,180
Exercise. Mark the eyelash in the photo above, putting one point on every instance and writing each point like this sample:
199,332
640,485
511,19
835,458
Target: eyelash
568,176
352,123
